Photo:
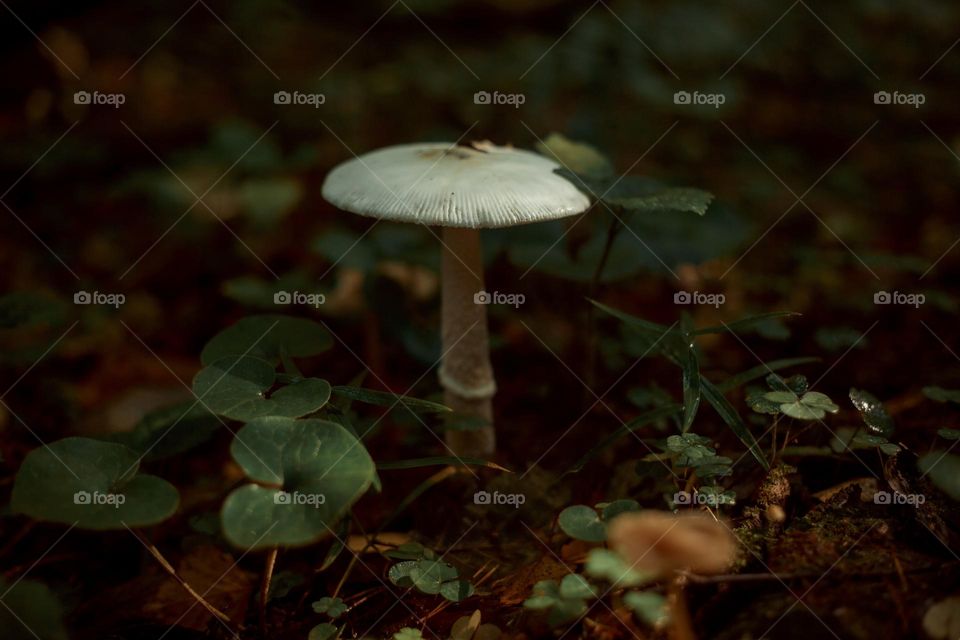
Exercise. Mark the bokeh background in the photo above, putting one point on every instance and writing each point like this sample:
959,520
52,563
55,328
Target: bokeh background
199,197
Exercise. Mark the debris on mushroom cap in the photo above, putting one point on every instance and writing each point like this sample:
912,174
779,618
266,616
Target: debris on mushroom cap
660,542
477,186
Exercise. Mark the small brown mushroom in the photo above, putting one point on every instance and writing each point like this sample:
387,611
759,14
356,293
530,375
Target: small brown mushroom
661,542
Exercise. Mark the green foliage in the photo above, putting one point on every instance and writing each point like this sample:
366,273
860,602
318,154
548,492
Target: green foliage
321,470
323,631
565,602
872,412
609,565
267,337
469,628
790,397
237,387
576,156
170,431
943,470
949,434
689,447
408,633
385,399
650,607
940,394
584,523
30,611
676,346
92,484
431,576
332,607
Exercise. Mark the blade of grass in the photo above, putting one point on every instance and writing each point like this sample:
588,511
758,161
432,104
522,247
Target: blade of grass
386,399
729,415
640,421
690,367
435,461
745,323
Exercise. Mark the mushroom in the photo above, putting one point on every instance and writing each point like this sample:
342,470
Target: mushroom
661,543
461,189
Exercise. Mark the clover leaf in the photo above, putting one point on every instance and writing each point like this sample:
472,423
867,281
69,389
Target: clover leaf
268,337
585,523
323,631
872,412
333,607
565,602
431,577
689,448
91,483
610,566
321,470
237,387
649,606
812,405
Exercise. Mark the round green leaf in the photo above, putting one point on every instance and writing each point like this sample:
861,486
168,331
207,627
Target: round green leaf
266,336
583,523
944,471
323,631
237,387
323,471
429,575
91,483
874,415
611,510
456,590
30,610
574,586
649,606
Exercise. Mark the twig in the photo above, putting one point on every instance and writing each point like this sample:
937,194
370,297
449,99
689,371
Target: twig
183,583
265,588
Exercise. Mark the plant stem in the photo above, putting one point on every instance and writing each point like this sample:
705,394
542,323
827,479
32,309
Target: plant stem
591,368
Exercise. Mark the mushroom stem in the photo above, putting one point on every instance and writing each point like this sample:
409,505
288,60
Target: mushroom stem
465,371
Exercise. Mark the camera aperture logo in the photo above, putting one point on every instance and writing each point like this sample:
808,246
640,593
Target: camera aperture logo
497,98
110,299
696,297
487,297
98,98
696,98
99,499
897,98
295,498
912,499
701,498
497,498
896,297
298,98
296,297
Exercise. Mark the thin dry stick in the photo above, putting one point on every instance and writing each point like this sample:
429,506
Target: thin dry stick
183,583
265,588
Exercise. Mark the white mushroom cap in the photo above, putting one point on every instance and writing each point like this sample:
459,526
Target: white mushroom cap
453,186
